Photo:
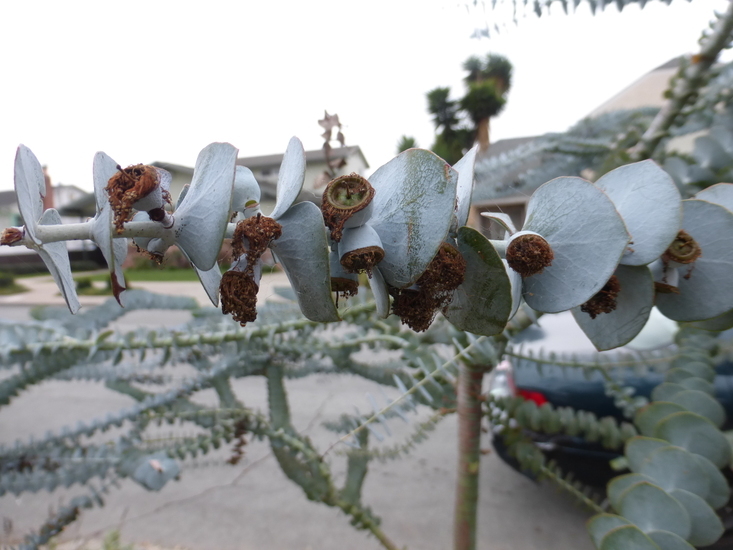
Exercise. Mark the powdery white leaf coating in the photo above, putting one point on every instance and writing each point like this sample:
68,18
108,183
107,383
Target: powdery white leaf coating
290,178
464,186
652,509
650,205
30,188
413,210
354,238
633,306
516,281
56,258
719,493
720,193
210,280
619,484
302,250
201,220
587,237
696,434
706,286
482,304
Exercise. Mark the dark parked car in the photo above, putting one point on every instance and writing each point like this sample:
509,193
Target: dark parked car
572,387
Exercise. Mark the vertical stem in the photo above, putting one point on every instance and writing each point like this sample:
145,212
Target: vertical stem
469,455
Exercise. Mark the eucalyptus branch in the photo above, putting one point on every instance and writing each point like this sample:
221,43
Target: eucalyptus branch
686,85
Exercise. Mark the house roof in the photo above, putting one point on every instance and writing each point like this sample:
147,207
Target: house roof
317,155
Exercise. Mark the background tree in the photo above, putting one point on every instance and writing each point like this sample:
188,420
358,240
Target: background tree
487,83
405,143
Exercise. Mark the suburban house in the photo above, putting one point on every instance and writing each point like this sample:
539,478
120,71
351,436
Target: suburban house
318,172
505,192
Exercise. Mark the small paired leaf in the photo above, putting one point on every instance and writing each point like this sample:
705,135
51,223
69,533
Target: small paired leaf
647,418
303,252
669,541
633,305
663,392
599,525
718,490
56,257
414,200
587,236
675,468
482,304
705,286
720,193
652,509
113,250
154,471
290,178
706,525
638,448
30,188
625,538
696,434
381,295
619,485
464,186
201,219
246,189
701,403
502,219
650,205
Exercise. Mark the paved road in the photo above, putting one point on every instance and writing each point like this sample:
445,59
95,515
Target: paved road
253,506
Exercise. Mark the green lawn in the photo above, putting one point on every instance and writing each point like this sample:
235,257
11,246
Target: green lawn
133,275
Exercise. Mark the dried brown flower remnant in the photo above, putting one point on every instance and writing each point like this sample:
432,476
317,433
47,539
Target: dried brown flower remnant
604,301
664,288
683,250
239,296
238,288
11,235
259,231
529,255
342,198
128,186
416,307
344,287
362,259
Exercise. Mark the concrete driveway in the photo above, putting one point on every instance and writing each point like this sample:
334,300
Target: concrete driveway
254,506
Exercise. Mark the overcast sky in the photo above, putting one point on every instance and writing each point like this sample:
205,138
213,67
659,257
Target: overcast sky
152,81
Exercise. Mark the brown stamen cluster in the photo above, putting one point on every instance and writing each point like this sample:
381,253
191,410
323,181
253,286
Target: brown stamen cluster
128,186
417,307
683,250
362,259
604,301
342,198
238,289
344,287
529,255
11,235
239,296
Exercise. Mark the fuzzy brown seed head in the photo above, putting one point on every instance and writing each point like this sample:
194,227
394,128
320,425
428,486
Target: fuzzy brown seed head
362,259
342,198
604,300
683,250
11,235
239,296
529,255
259,231
417,307
128,186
